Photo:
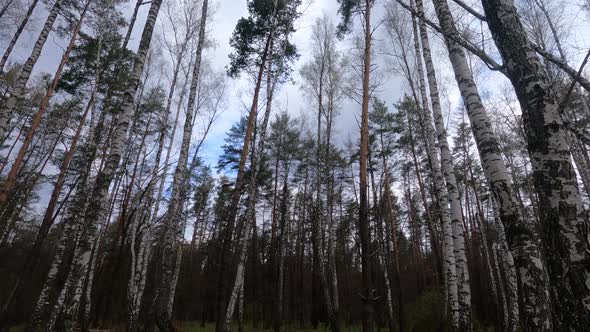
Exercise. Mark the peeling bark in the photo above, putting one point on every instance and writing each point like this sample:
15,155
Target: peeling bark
563,219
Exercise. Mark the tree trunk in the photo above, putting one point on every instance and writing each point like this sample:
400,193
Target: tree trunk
236,193
520,235
257,155
512,313
563,219
96,207
5,7
23,77
368,293
10,180
179,186
33,256
132,23
19,30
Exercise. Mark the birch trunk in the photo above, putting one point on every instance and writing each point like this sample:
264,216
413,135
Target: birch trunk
140,237
278,319
388,218
510,275
442,195
501,290
521,237
73,227
68,241
5,7
464,290
131,23
32,257
563,219
19,30
179,184
575,144
97,201
23,77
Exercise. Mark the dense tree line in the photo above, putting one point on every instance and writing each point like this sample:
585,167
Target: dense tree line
434,215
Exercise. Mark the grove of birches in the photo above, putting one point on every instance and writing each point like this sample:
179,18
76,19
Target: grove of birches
430,171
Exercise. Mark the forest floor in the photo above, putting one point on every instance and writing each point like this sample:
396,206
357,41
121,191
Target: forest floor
196,327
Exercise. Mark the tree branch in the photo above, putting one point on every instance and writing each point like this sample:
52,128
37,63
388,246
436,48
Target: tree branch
471,10
490,63
581,135
575,75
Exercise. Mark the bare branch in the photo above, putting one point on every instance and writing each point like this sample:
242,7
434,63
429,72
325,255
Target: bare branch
471,10
564,66
490,63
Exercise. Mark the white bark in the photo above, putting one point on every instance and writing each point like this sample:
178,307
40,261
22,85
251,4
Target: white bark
19,30
501,291
521,236
442,194
23,77
448,170
179,187
564,221
508,268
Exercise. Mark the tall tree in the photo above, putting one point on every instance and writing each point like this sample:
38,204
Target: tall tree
563,220
7,109
252,40
179,184
347,9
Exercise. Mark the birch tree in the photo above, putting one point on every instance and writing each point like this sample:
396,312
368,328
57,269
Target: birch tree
7,108
563,233
171,224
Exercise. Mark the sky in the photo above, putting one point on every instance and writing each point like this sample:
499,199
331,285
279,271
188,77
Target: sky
290,96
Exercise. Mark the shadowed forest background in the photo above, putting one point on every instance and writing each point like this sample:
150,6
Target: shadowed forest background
345,165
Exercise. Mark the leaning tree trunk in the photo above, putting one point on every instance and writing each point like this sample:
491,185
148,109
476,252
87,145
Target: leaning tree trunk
96,207
464,291
563,219
256,160
23,77
10,180
19,30
179,184
34,254
521,236
226,233
442,196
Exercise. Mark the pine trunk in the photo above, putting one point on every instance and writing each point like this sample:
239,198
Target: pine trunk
367,295
236,193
